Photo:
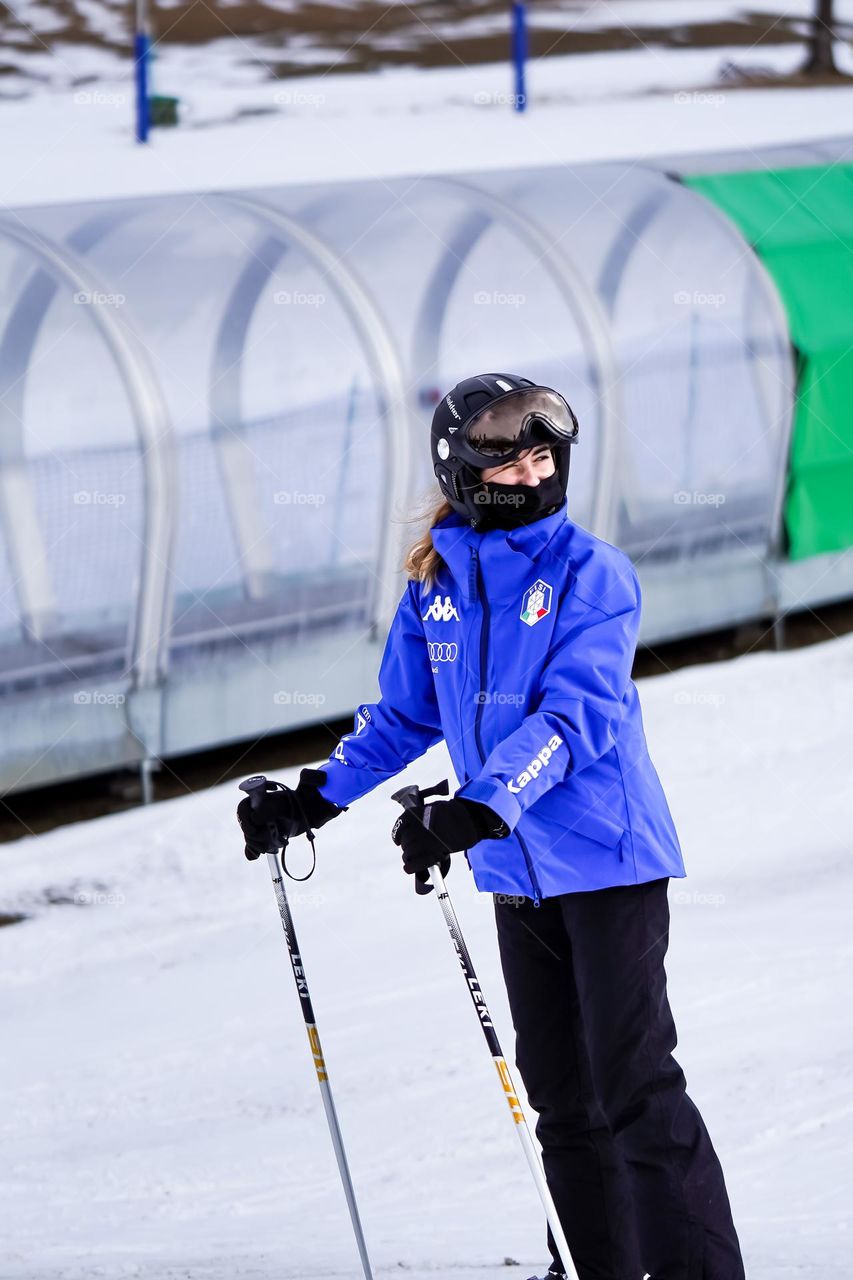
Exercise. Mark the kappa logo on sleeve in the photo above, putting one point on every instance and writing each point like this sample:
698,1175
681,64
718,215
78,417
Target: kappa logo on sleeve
539,762
441,611
362,720
536,603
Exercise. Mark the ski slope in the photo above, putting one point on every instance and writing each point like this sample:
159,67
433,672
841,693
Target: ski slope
160,1116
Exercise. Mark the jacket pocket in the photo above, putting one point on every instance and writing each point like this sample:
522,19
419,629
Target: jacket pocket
586,817
598,826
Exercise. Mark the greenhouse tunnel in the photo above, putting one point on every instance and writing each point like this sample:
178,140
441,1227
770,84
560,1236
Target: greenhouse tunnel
215,410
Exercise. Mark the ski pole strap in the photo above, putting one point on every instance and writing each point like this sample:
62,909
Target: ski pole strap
254,788
289,874
308,832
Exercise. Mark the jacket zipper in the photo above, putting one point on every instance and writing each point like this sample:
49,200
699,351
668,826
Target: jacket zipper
485,625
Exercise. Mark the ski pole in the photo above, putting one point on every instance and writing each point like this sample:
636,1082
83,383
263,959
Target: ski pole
413,798
255,787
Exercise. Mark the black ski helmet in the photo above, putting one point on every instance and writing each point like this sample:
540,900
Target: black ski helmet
457,466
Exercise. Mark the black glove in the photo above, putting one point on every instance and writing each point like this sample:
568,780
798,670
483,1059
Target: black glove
283,814
444,827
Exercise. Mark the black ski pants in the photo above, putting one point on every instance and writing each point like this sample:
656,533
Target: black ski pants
637,1184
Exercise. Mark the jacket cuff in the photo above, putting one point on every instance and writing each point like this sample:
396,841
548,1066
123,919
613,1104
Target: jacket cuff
345,783
341,784
496,796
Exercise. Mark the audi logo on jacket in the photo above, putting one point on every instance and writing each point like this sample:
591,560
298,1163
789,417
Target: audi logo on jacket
520,657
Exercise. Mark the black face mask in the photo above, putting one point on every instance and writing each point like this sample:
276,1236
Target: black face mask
508,506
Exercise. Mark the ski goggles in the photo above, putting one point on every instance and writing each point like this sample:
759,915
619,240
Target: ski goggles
504,429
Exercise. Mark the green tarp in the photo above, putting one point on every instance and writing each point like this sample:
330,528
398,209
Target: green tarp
800,223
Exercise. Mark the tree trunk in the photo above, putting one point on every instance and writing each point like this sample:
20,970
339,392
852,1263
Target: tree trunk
821,53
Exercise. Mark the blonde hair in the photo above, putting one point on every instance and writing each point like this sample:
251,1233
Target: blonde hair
422,561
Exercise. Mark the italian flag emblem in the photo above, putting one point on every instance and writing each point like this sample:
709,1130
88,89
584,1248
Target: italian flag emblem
536,603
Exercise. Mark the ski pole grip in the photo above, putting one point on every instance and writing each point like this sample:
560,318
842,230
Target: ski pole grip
413,798
254,788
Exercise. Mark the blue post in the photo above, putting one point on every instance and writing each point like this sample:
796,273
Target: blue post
519,52
141,54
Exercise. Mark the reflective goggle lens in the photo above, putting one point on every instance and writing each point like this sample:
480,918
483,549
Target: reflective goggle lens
503,428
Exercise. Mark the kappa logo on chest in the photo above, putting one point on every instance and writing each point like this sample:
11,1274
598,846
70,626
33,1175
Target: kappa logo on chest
441,610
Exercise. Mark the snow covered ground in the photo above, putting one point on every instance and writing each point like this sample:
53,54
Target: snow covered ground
159,1116
57,44
78,145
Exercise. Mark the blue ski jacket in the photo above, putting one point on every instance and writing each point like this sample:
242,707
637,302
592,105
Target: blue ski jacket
520,657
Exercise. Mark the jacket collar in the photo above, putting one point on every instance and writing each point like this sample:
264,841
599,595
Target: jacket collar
455,540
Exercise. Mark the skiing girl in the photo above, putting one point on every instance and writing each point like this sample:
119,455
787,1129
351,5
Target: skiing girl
514,641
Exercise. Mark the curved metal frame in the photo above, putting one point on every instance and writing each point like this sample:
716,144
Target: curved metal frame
18,514
614,270
610,278
624,245
17,509
154,428
582,303
777,307
385,367
226,422
604,291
